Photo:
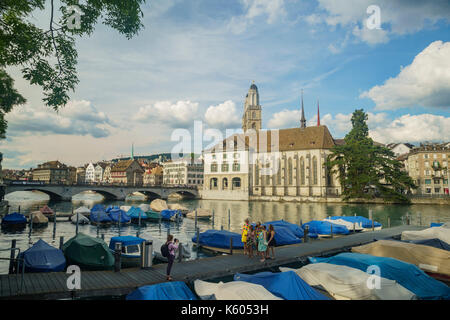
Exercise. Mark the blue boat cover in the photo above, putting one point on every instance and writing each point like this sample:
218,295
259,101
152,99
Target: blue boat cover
365,222
435,224
125,240
219,239
167,214
286,285
42,257
98,207
324,227
118,214
176,290
111,208
295,229
437,243
134,213
285,236
14,218
406,274
99,216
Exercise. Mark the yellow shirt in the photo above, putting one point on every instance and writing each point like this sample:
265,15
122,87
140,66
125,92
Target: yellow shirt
244,233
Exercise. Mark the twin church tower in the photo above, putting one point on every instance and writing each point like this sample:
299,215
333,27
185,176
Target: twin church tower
252,111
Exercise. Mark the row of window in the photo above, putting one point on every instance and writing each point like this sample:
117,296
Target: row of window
436,181
427,156
225,167
235,183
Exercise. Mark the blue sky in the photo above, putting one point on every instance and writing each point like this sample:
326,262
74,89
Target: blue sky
196,59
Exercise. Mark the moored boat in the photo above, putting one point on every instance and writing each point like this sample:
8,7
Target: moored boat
201,213
135,213
88,253
81,219
233,290
442,233
406,274
131,250
349,225
346,283
99,216
119,216
42,257
364,222
14,221
176,290
325,228
171,215
49,213
38,219
153,215
219,240
286,285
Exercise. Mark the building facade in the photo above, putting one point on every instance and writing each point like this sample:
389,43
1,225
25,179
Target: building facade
127,172
184,172
427,165
260,164
154,176
90,173
51,172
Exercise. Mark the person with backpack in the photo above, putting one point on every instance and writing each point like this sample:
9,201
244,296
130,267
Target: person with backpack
168,251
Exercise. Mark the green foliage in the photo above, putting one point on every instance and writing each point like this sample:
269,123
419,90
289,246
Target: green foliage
48,58
367,170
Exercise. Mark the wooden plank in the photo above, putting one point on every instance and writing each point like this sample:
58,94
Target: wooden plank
5,286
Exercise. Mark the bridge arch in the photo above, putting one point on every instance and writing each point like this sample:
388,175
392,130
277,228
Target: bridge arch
107,195
150,194
184,193
52,195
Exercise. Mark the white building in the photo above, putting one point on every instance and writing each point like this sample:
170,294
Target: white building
400,148
90,173
183,172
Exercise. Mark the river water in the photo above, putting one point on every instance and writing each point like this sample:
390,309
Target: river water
185,230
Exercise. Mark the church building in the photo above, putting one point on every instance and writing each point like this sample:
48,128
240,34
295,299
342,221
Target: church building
280,164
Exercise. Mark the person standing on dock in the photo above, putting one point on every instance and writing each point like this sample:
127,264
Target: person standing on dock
250,241
172,246
245,228
262,243
271,242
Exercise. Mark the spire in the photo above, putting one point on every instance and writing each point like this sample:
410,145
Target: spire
318,113
302,119
132,151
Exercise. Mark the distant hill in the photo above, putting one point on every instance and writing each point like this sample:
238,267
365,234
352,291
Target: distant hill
163,156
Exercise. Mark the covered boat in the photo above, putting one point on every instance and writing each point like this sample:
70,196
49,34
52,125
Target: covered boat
134,213
158,205
364,222
442,233
131,250
436,224
47,211
349,225
125,208
406,274
171,215
436,243
176,290
83,210
425,257
14,220
144,207
99,216
81,219
39,220
324,228
109,208
42,257
89,253
345,283
234,290
285,285
202,213
153,215
219,240
285,233
118,215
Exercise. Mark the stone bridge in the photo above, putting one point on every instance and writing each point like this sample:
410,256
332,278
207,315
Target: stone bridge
61,192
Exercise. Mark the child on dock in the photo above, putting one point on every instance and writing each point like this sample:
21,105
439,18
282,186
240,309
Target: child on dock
250,241
262,243
172,246
245,228
270,242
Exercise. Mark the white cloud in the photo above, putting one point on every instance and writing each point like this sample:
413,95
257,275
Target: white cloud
224,115
285,119
179,114
425,82
414,128
395,17
76,118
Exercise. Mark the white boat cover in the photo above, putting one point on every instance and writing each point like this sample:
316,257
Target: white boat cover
177,206
201,213
347,224
426,258
345,283
234,290
158,205
144,207
38,217
81,219
125,208
442,233
83,210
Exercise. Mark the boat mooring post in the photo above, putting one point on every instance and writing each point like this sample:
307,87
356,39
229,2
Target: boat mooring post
305,234
180,252
19,209
229,219
61,242
420,219
354,227
221,228
98,223
11,256
117,254
31,227
76,230
146,254
118,222
331,230
389,222
195,218
212,222
103,236
198,239
231,245
371,218
301,222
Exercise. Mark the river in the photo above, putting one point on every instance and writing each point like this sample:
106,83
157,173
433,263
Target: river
239,210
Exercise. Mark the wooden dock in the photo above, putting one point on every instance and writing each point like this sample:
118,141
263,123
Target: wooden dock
110,283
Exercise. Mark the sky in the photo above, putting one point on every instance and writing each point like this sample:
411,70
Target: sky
196,59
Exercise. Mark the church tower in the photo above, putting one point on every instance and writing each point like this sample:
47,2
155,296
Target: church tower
252,110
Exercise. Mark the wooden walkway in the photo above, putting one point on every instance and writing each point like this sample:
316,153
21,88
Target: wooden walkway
109,283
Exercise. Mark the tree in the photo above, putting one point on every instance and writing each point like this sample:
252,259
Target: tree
365,169
48,58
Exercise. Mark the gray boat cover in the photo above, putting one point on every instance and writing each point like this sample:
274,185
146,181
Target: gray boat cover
234,290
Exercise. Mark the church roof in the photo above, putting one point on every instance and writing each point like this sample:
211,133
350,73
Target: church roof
123,165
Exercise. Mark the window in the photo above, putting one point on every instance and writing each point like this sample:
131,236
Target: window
314,170
236,183
236,166
213,183
435,156
214,167
225,183
437,190
302,171
290,170
437,181
427,164
224,156
225,167
236,155
427,181
425,156
428,190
